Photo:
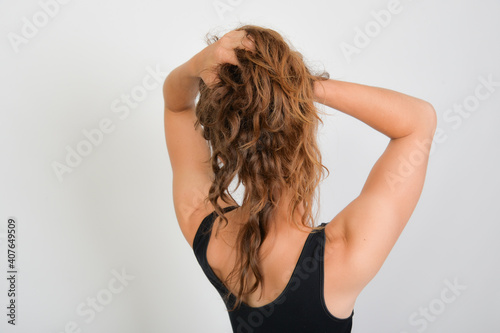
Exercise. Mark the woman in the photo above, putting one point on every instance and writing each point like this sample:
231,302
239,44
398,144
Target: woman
276,270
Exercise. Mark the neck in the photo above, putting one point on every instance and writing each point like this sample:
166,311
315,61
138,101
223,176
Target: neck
280,220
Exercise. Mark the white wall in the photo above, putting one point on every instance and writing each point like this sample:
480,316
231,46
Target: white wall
113,214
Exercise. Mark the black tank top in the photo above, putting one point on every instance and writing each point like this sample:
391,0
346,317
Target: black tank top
299,308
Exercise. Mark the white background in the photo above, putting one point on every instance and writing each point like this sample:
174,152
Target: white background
114,210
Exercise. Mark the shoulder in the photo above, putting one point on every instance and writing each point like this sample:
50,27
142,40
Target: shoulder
190,225
190,221
337,262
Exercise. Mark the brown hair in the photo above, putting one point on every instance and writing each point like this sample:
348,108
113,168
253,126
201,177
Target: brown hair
260,120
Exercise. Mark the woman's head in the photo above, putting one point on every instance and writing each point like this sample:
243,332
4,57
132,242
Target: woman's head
261,123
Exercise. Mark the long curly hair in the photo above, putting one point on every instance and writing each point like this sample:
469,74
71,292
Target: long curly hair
261,124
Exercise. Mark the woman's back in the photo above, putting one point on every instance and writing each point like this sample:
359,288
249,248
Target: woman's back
297,293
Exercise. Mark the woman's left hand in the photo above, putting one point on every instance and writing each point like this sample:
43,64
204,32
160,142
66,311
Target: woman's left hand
220,52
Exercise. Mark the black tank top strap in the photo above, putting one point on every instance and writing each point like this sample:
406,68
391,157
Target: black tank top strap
206,226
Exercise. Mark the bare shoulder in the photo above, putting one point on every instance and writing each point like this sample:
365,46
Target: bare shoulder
339,292
191,223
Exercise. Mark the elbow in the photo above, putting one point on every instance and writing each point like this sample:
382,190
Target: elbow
428,123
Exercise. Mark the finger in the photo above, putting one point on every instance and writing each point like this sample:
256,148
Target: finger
248,43
241,38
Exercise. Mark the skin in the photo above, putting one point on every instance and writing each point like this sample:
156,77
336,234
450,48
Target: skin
361,236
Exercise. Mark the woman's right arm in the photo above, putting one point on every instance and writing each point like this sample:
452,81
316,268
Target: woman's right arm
366,230
389,112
